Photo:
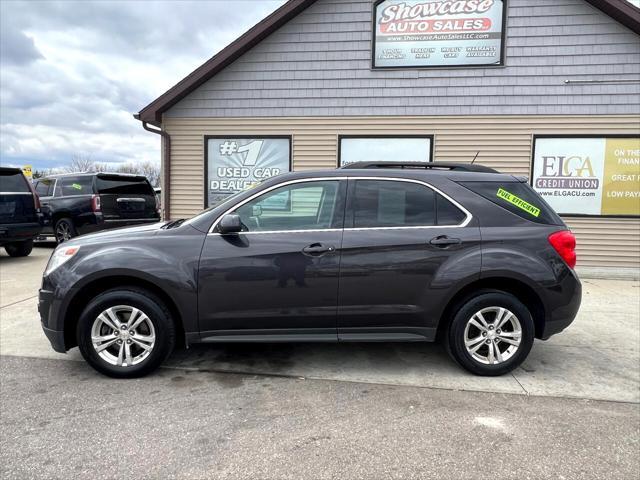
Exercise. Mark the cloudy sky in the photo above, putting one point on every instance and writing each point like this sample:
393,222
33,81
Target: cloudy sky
72,73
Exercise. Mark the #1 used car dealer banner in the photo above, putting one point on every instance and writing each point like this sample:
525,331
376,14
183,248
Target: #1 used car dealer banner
237,163
438,33
587,175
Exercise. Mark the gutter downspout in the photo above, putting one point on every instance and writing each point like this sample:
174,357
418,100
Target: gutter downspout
166,179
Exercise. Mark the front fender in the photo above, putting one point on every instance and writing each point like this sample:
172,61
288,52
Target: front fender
153,261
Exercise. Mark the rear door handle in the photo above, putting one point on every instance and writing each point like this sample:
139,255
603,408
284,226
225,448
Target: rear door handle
443,241
317,249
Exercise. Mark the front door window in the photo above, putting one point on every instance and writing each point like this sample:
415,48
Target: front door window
298,206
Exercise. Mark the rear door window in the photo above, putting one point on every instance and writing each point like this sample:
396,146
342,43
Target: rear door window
13,182
80,185
383,203
448,213
121,185
518,198
44,187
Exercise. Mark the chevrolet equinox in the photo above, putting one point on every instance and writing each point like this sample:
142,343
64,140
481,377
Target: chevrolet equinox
371,252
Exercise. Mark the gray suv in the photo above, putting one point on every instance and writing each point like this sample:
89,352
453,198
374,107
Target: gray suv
374,252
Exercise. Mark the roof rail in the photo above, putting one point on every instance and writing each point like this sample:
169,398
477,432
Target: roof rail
458,167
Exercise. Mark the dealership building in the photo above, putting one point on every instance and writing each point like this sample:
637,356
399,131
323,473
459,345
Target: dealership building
547,89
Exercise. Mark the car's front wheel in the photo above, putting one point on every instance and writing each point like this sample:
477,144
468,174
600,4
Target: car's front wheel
491,333
125,333
19,249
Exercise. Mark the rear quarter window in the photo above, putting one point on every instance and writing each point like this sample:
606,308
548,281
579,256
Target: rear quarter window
12,182
115,185
80,185
518,198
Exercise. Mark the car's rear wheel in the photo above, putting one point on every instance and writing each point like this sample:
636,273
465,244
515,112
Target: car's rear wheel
491,333
64,230
125,333
19,249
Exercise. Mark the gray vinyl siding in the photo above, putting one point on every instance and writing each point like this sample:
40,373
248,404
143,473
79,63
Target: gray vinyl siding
320,64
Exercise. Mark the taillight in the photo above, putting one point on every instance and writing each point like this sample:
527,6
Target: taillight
95,203
36,198
564,242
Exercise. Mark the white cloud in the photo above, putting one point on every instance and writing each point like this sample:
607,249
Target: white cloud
73,73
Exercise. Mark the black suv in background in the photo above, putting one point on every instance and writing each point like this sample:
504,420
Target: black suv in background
20,217
78,203
369,253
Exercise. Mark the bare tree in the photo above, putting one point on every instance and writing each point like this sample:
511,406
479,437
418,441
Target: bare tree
83,163
150,170
128,168
80,162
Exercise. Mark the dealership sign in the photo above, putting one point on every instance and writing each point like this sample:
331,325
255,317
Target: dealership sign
438,33
588,176
238,163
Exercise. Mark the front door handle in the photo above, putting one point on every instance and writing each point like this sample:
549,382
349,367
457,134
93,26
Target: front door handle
317,249
443,241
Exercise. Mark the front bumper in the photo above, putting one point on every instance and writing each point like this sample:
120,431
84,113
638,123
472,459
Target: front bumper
45,308
56,338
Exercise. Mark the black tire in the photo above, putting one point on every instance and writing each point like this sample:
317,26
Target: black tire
154,309
19,249
64,230
455,335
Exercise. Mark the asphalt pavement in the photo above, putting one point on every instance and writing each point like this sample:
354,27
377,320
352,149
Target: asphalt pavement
323,411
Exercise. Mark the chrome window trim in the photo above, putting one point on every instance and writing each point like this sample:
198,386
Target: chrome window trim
464,223
16,193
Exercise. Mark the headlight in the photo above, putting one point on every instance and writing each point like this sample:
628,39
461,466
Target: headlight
60,255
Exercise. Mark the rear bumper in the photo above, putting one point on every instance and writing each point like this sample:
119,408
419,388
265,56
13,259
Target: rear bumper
18,232
566,299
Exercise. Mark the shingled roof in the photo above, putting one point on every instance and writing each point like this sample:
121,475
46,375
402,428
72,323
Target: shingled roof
620,10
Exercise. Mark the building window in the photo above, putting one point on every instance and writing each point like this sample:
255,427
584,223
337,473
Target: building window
379,149
235,163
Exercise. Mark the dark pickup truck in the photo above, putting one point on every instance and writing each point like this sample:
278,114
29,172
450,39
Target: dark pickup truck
20,217
79,203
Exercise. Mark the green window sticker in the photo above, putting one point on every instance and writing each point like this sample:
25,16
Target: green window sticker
518,202
77,186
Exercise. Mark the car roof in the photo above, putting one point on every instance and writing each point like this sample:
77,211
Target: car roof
87,174
10,170
409,173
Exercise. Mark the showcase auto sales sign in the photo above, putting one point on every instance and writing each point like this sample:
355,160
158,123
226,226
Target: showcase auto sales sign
438,33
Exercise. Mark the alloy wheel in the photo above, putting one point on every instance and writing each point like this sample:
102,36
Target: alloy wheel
123,335
63,232
492,335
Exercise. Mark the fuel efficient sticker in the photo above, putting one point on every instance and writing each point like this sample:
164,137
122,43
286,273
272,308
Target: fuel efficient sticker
518,202
77,186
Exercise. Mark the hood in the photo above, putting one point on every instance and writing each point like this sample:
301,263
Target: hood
125,233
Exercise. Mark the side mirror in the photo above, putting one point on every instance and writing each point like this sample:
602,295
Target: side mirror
230,223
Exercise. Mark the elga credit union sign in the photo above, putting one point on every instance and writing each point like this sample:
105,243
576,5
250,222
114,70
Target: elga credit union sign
588,176
238,163
438,33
